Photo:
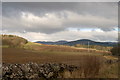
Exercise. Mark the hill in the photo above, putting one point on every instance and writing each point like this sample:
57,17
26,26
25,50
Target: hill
82,42
90,42
52,43
13,41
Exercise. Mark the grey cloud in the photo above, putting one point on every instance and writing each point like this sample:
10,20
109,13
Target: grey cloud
0,15
61,1
68,35
50,20
106,9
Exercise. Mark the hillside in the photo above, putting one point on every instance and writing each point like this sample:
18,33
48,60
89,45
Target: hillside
13,41
82,42
86,41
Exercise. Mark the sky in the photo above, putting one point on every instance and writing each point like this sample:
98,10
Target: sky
53,21
60,0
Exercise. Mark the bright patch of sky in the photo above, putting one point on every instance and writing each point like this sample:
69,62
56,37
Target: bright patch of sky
85,29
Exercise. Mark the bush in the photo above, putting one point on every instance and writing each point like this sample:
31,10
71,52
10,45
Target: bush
91,65
116,50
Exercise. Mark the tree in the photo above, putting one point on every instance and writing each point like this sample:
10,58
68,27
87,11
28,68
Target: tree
116,50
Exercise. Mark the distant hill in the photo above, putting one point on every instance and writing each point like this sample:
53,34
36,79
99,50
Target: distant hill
90,42
82,42
16,41
52,43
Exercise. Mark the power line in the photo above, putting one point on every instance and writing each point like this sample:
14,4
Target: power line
88,46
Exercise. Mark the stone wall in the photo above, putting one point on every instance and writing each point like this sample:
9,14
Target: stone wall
34,70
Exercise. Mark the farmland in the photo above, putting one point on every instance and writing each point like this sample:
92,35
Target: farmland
92,63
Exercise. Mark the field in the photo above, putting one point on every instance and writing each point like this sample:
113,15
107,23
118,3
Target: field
16,55
92,60
44,53
91,63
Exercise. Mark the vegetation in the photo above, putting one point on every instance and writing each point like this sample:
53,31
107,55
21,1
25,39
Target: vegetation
97,47
92,63
116,50
13,41
90,66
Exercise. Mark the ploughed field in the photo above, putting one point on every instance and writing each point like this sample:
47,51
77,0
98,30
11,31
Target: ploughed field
41,53
19,55
90,64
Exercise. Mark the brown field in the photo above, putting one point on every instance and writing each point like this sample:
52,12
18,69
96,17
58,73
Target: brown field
17,55
85,60
41,53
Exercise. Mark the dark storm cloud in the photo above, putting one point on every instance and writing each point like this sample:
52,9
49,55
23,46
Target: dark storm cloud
106,9
52,21
0,16
50,17
60,0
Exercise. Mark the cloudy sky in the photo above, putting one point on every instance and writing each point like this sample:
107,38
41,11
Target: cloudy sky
53,21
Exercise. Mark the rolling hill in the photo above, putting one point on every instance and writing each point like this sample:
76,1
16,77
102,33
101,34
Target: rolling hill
82,42
53,43
90,42
13,41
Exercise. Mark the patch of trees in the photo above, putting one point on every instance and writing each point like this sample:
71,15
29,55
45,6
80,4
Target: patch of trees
116,50
13,41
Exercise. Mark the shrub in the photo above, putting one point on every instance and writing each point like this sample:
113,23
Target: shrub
91,65
116,50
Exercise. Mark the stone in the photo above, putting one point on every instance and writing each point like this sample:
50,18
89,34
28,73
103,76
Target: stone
33,70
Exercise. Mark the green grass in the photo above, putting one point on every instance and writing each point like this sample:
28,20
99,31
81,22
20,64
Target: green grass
56,49
30,45
5,46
